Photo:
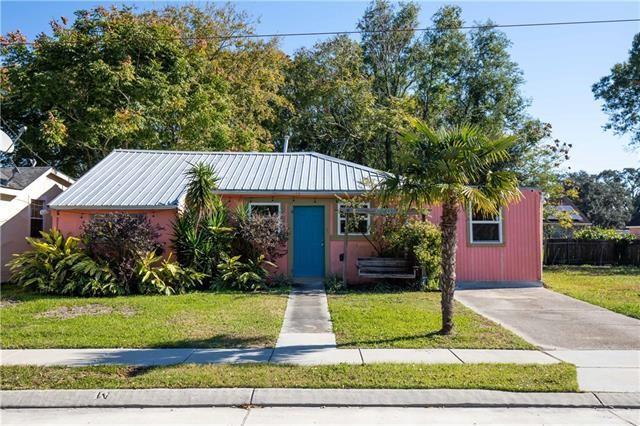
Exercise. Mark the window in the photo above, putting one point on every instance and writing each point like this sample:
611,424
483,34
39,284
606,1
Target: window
37,220
264,208
485,229
362,221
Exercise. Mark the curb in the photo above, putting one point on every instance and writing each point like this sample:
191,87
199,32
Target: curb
272,397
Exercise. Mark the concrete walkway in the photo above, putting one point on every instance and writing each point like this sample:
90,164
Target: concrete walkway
307,335
552,320
598,371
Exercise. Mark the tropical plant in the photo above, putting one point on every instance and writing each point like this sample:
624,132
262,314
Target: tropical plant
201,233
451,167
200,198
421,242
120,240
160,275
249,275
59,265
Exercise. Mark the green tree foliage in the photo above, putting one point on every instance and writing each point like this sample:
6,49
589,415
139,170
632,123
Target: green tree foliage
333,108
609,198
451,167
620,92
117,79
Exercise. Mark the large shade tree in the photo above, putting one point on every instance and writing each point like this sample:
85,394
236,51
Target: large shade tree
175,78
451,167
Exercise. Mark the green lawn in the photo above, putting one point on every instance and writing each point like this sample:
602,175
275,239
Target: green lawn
411,320
614,288
202,320
507,377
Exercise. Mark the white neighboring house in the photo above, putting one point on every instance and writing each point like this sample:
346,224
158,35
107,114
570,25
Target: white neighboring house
24,195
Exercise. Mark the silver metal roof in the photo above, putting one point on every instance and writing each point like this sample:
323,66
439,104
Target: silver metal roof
156,179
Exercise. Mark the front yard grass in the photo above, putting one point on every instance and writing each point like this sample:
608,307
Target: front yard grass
412,319
613,288
197,320
506,377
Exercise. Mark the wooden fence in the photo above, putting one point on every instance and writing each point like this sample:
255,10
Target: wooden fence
585,252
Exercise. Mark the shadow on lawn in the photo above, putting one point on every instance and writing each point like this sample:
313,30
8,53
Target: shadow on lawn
360,343
220,341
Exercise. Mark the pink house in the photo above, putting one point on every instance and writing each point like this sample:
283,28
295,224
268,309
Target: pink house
303,188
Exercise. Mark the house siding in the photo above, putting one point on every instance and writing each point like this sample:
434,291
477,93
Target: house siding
519,258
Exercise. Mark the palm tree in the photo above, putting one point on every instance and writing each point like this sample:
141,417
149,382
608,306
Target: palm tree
200,197
451,167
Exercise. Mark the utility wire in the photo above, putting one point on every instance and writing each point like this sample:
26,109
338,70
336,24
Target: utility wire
397,30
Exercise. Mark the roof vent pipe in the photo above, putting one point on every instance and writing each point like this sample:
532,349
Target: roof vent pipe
286,144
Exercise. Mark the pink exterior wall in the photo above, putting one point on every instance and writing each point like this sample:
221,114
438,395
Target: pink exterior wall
69,222
519,258
635,230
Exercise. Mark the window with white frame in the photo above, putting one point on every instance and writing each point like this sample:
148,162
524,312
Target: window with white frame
361,223
37,220
264,208
485,228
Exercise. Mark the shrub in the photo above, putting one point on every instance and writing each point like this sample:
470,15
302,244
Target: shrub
59,265
121,240
199,246
259,235
421,242
597,233
159,275
249,275
281,281
334,284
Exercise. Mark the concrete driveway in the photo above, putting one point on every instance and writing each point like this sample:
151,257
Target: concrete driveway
552,320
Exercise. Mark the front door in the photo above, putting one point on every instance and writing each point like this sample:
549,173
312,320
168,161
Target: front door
308,241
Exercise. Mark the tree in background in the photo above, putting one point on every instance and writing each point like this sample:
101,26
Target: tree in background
609,198
389,48
620,92
333,109
348,97
164,79
453,168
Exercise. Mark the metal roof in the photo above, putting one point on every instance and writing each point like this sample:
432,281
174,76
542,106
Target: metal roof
156,179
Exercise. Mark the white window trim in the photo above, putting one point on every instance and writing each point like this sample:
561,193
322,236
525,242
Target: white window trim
265,204
472,222
339,220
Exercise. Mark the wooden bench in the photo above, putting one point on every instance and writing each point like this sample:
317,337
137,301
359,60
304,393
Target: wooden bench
386,267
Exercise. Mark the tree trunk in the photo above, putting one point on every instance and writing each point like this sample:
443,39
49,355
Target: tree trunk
448,226
388,153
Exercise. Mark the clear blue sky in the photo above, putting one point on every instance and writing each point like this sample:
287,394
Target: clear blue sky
560,63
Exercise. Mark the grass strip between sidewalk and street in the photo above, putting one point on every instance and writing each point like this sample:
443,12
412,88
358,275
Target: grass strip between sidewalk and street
411,319
505,377
616,288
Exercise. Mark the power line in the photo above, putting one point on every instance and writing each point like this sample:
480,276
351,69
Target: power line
397,30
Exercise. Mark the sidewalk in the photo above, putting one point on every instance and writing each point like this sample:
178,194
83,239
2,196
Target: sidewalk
599,371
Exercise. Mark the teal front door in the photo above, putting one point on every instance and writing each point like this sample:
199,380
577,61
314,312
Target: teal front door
308,241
